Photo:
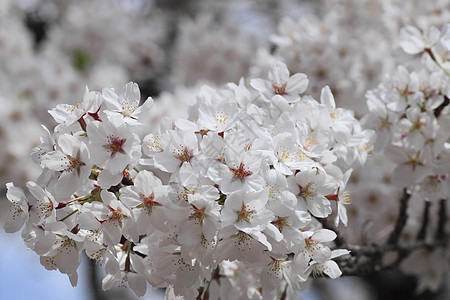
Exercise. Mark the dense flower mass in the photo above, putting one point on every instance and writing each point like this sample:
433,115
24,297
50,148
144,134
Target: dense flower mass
247,182
327,154
410,112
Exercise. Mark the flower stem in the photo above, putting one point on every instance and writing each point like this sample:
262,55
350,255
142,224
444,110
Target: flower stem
66,217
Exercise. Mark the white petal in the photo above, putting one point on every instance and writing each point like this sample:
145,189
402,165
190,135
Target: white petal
297,84
332,269
137,283
324,235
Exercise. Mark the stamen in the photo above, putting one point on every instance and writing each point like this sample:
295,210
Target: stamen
240,173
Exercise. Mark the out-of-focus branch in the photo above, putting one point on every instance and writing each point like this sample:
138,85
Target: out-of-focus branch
401,220
96,291
425,220
437,111
442,219
367,259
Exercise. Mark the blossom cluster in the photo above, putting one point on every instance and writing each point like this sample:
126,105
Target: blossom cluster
273,129
236,190
84,43
355,37
410,112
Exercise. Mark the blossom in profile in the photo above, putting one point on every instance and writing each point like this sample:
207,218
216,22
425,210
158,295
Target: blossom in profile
281,83
18,208
125,106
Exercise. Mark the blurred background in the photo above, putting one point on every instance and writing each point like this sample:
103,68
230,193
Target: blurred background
50,50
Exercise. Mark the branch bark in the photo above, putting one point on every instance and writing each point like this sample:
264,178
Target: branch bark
425,220
401,220
367,259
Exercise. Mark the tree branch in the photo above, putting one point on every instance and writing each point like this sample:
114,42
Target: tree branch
367,259
442,217
425,220
401,220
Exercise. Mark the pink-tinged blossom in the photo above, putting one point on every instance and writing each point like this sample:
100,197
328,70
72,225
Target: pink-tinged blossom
276,276
246,211
288,223
230,193
311,188
418,127
199,222
343,197
286,154
72,159
111,145
217,118
412,165
413,41
340,121
18,208
429,266
47,145
130,269
42,204
281,83
169,265
329,267
114,217
125,106
239,171
313,249
178,148
148,200
235,244
69,114
60,249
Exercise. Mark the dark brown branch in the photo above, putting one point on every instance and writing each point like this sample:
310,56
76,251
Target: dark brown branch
367,259
438,110
425,220
401,220
442,219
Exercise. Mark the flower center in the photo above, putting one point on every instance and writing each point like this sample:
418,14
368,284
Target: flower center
115,145
74,164
276,266
149,202
197,214
78,105
279,89
185,155
128,107
280,223
241,172
307,191
116,215
245,213
221,117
